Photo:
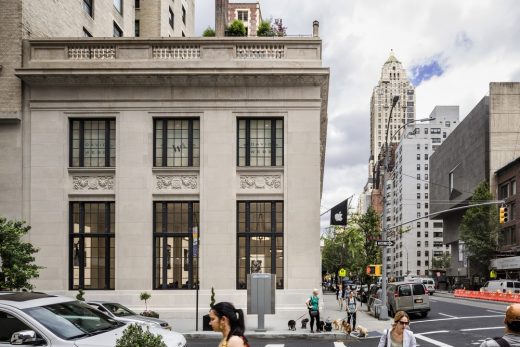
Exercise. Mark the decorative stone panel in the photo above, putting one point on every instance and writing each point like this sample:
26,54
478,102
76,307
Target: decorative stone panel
99,183
260,182
176,182
92,52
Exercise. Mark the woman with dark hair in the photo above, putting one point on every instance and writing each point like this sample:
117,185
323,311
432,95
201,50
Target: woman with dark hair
224,317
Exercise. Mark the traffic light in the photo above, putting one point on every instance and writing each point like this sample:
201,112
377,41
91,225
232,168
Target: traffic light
374,270
503,214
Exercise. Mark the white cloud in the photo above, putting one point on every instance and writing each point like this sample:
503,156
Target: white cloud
477,41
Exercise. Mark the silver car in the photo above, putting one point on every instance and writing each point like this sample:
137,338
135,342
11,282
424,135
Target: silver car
28,319
125,315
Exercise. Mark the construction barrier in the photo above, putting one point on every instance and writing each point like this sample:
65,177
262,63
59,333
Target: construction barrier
491,296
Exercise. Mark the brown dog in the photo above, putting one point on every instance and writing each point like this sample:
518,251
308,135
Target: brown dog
346,328
337,324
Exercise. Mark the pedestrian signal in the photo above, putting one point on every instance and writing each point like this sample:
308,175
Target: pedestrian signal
374,270
504,215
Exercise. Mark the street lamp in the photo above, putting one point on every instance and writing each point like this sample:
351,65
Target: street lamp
384,309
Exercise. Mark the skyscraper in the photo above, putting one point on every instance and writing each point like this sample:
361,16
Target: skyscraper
393,82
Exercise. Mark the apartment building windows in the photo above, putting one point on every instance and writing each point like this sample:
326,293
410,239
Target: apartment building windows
88,6
260,234
260,142
92,245
118,4
137,28
418,156
176,142
243,15
435,131
137,4
175,245
170,16
117,32
436,140
92,143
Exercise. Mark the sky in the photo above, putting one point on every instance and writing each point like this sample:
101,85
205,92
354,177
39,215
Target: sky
452,50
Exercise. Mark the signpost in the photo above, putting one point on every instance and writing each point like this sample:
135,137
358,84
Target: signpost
385,243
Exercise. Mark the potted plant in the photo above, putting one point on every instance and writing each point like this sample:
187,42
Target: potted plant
145,296
205,318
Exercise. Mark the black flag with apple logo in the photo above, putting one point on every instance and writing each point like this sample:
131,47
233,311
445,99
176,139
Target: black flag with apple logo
338,214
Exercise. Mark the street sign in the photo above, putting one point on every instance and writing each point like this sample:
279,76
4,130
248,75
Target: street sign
342,272
388,243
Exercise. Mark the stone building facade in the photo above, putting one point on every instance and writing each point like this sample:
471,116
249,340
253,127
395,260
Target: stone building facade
163,164
247,12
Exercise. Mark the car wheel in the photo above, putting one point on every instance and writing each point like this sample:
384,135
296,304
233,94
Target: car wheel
424,314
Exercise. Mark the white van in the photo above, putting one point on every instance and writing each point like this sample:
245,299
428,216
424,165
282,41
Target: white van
428,282
501,286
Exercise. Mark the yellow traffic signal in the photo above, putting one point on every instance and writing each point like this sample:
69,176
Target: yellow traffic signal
374,270
503,214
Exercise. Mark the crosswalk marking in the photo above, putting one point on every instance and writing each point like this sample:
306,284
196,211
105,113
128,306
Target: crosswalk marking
432,341
274,345
446,315
486,328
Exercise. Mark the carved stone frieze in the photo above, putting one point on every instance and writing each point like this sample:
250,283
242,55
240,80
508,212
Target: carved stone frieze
93,182
174,182
261,182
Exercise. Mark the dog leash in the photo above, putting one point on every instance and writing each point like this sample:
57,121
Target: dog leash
301,317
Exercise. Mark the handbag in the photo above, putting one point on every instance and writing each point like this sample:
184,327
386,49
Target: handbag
313,313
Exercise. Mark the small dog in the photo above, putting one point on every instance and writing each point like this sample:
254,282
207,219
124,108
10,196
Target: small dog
321,325
346,328
337,324
362,331
304,323
292,325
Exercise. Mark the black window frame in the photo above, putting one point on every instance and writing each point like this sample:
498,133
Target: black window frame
164,142
88,6
273,147
137,28
117,31
171,18
164,234
108,143
183,15
118,5
248,234
79,247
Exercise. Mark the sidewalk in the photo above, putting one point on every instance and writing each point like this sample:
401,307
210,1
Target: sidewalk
277,326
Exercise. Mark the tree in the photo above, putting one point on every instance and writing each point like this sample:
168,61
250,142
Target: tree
236,28
352,248
209,32
278,28
265,29
16,256
144,296
442,262
135,336
212,298
478,230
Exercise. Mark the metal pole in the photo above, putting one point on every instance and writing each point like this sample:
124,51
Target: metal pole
383,315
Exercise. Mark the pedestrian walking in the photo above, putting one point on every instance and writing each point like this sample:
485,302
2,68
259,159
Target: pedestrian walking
512,330
351,305
228,320
399,335
338,296
313,304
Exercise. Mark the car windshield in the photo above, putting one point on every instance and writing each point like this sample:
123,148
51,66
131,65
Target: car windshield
119,310
71,320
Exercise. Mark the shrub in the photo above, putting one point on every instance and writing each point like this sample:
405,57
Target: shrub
209,32
135,336
212,298
80,297
264,29
236,28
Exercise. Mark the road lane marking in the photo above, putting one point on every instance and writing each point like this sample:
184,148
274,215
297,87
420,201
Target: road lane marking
442,319
494,311
487,328
339,344
435,332
432,341
447,315
274,345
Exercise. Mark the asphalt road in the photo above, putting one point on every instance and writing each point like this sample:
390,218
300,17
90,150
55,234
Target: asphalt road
451,323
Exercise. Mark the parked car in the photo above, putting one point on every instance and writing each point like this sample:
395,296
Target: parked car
125,315
58,321
502,286
374,293
411,297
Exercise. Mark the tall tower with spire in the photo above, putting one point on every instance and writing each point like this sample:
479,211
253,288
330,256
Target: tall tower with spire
393,81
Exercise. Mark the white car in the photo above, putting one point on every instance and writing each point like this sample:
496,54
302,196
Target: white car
28,319
125,315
